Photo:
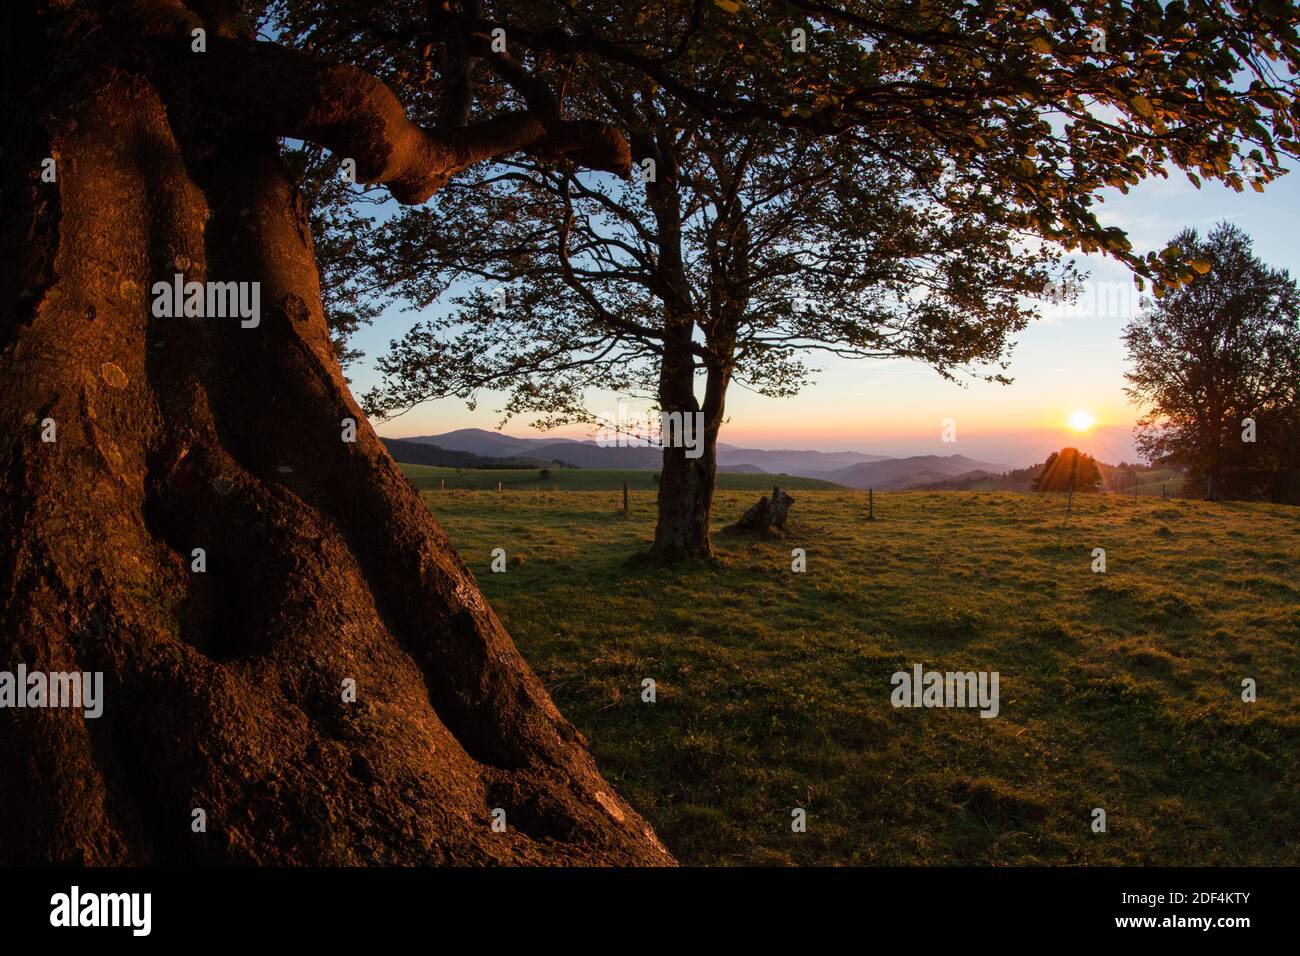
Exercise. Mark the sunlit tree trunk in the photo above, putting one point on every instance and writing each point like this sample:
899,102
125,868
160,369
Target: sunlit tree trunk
226,687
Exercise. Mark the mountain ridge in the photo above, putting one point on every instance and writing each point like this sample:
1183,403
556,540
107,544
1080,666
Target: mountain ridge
854,469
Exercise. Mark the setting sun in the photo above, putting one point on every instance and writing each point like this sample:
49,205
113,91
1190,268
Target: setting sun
1082,420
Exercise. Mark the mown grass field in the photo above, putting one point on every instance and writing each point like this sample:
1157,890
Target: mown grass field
582,479
1119,690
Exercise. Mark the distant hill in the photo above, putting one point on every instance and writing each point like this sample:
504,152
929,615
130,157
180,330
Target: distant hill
809,464
480,441
583,454
896,474
422,453
579,454
981,480
480,448
587,454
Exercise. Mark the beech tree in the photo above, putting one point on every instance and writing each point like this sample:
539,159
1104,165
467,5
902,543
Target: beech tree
1216,365
200,511
741,254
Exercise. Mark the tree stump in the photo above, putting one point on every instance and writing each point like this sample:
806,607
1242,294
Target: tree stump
767,517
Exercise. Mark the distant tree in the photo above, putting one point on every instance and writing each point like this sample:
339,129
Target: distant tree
1213,356
544,474
1069,468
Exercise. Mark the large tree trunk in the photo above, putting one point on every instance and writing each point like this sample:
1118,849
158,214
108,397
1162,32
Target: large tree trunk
224,689
686,483
685,505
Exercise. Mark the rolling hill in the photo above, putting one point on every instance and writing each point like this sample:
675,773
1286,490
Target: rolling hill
480,448
896,474
423,453
480,441
588,454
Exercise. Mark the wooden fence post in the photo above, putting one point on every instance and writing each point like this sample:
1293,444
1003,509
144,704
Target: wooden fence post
625,508
871,504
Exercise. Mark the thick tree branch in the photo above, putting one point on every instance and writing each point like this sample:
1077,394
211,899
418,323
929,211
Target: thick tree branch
356,116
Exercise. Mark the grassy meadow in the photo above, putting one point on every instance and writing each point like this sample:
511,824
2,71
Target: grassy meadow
433,477
1159,480
1119,690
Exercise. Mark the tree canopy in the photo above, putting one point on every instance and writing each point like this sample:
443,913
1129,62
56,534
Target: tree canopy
775,248
1035,107
1216,365
1069,470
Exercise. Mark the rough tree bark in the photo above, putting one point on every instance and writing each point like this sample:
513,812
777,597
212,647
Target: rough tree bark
223,688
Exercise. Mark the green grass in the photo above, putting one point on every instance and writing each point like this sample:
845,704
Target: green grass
1156,482
584,479
1118,690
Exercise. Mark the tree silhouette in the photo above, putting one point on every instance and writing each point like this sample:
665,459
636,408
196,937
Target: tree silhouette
750,252
1216,363
1069,469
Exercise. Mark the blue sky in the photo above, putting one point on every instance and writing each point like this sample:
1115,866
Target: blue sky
1073,359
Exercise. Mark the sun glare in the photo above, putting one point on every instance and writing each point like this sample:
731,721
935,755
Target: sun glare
1082,420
